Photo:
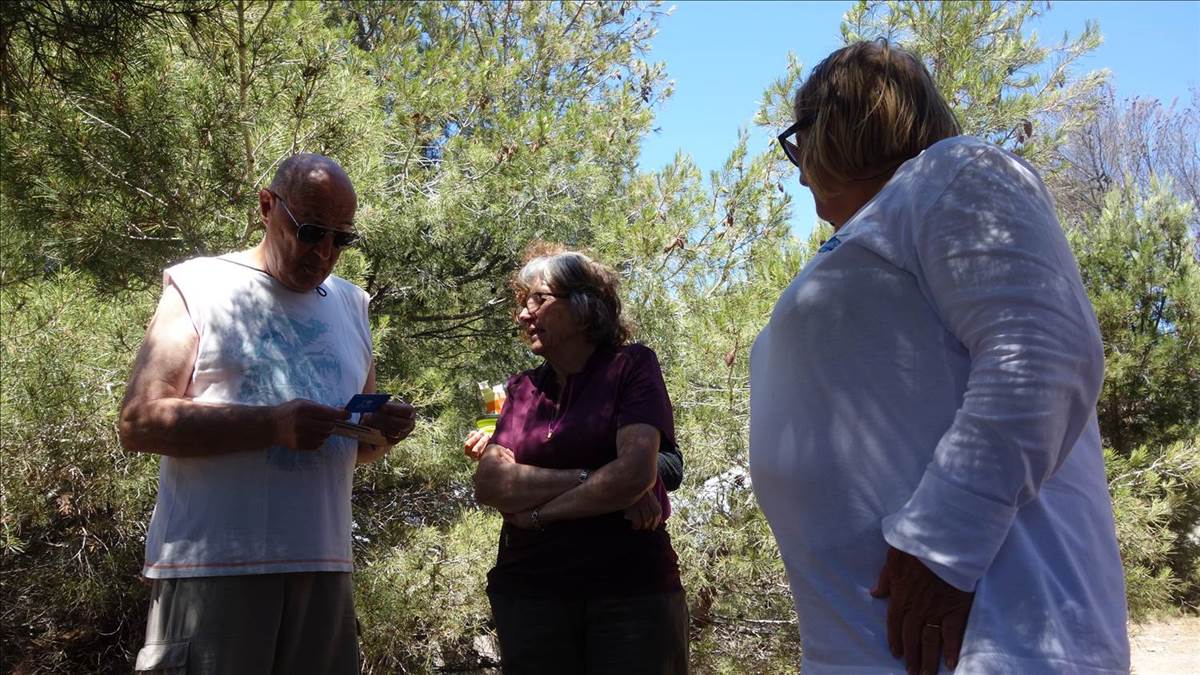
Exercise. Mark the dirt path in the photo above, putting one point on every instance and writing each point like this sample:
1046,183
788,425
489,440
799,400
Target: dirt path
1167,647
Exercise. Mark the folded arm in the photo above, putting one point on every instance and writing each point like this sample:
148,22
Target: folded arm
502,483
614,486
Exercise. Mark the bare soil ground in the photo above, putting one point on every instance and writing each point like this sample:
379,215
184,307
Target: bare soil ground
1168,646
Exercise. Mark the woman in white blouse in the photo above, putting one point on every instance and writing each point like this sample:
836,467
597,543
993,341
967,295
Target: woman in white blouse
923,436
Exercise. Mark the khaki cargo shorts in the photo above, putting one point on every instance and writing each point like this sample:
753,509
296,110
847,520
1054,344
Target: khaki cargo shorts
299,622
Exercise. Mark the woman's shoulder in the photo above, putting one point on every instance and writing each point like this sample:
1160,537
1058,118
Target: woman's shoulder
960,167
946,160
636,351
635,356
522,376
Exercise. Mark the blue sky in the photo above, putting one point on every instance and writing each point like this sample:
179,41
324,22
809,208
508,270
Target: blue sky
722,55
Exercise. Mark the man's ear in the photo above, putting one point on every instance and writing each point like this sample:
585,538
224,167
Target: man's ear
265,204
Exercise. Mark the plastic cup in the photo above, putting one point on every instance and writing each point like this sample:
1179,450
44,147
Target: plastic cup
487,423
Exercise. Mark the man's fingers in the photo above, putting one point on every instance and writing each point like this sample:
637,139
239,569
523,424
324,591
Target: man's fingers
954,627
399,409
636,516
311,432
895,622
317,411
883,586
656,511
645,513
911,642
931,643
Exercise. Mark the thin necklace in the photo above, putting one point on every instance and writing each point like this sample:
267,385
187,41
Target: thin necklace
560,410
320,290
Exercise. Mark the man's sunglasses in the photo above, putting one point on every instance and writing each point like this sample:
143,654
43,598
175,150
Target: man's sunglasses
313,234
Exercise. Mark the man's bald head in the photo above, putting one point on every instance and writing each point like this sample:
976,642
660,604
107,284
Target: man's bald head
311,178
307,191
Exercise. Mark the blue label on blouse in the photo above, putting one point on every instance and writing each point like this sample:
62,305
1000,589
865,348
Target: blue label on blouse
829,245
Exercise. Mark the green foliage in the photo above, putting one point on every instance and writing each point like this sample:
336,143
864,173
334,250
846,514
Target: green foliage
422,602
1137,263
127,160
1149,487
74,504
1004,85
1136,259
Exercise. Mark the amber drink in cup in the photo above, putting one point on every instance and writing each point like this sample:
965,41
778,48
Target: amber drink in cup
493,396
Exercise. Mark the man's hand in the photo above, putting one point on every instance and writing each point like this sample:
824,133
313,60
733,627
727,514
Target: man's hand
645,513
475,443
394,419
301,424
925,614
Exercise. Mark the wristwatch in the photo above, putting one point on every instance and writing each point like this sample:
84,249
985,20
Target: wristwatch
583,475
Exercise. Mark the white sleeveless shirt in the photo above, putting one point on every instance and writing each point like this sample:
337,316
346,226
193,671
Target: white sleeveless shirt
275,509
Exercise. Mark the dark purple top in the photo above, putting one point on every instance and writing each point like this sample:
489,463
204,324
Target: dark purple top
577,429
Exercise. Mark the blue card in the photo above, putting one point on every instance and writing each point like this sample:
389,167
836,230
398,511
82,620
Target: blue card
365,403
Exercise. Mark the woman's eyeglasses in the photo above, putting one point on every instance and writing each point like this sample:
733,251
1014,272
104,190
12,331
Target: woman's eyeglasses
790,149
313,234
534,301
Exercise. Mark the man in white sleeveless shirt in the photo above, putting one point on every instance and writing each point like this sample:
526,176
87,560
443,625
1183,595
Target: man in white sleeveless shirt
248,362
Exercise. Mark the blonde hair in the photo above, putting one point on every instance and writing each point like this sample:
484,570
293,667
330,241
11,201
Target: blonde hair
871,107
590,287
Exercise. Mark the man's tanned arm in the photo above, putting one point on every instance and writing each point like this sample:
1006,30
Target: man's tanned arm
157,417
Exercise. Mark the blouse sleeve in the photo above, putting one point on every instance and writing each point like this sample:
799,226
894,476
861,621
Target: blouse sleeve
643,398
991,258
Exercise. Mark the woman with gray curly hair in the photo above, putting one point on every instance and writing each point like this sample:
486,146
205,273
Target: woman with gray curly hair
923,435
586,580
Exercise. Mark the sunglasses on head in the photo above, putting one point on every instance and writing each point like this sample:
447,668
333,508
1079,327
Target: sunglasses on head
313,234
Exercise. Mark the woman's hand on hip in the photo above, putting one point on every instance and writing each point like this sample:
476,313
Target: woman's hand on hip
926,616
645,513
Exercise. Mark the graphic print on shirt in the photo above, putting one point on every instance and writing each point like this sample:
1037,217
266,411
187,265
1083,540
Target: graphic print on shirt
288,359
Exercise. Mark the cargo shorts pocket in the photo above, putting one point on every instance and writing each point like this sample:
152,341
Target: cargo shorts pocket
162,658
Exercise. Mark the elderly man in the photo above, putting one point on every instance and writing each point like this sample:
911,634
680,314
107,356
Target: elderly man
245,369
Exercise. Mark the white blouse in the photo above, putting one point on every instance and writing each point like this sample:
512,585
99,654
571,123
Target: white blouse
929,381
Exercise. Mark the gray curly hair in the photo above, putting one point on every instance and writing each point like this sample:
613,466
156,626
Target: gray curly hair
591,290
